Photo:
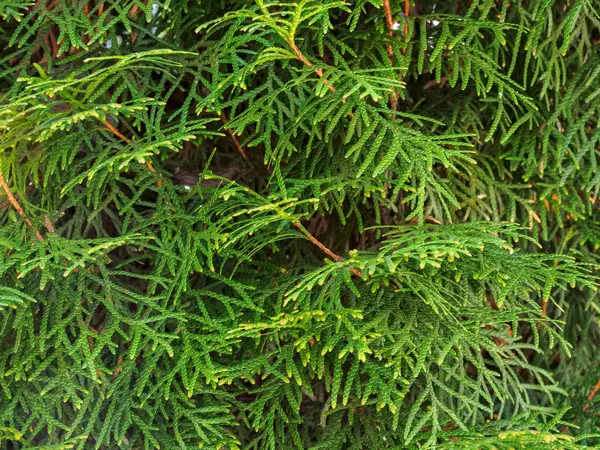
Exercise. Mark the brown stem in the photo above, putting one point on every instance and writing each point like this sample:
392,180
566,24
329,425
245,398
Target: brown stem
328,252
306,62
594,391
448,427
233,137
49,224
319,72
406,14
6,203
13,201
119,368
117,133
133,12
544,309
390,25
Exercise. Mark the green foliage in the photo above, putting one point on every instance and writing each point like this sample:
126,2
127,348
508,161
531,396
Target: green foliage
272,225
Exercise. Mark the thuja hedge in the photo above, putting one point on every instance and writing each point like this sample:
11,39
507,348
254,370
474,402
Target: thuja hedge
317,224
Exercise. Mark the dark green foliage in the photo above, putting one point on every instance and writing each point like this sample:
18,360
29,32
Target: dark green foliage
251,225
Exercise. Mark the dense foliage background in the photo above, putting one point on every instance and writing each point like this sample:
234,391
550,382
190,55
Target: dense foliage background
316,224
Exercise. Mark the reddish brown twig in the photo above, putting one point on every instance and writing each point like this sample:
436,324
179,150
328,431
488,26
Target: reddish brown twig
406,14
132,15
307,63
119,368
117,133
6,203
328,252
594,391
319,72
390,25
49,224
13,201
314,240
448,427
237,144
545,307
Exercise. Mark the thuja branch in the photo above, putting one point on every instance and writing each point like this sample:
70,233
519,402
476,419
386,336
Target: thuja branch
319,72
15,204
328,252
307,63
235,140
117,133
